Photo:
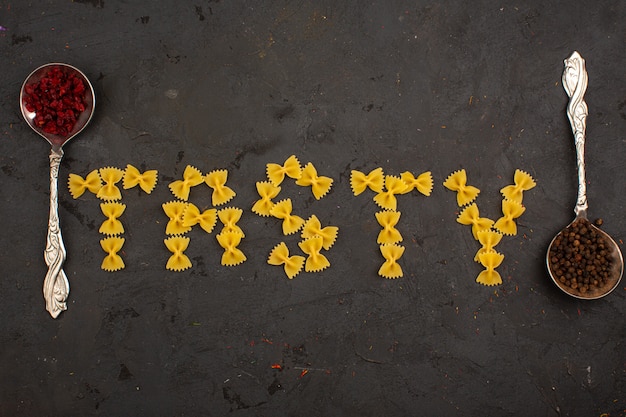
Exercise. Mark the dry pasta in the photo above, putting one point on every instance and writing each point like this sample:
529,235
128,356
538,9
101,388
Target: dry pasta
388,220
291,264
191,178
390,269
110,176
77,185
112,245
267,191
222,194
192,216
375,181
457,181
315,261
178,261
291,223
146,180
471,216
489,276
174,211
423,183
511,210
112,211
232,254
320,185
523,182
386,199
313,227
229,217
291,168
488,239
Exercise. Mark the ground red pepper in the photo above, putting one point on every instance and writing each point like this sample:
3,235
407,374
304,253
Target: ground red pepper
57,100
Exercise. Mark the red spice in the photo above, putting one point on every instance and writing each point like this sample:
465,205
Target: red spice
57,100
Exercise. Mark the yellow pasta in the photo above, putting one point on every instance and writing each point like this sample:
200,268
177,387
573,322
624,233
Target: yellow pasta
488,239
471,216
110,176
146,180
175,210
191,178
222,194
206,219
375,180
523,182
78,185
387,199
178,261
490,260
232,254
291,168
112,226
229,217
423,183
457,181
320,185
388,220
291,264
267,191
112,245
390,269
511,210
291,223
313,227
315,261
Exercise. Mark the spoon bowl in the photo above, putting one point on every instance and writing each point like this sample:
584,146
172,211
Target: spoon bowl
57,101
582,260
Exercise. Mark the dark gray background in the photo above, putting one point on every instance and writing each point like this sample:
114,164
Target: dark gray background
345,85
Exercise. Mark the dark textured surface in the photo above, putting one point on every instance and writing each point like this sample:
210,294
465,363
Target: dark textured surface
348,85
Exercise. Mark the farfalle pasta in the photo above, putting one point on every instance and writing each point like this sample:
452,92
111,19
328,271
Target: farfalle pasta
374,180
110,176
222,194
313,227
320,185
175,210
112,245
423,183
391,269
193,216
523,182
470,216
267,191
178,261
112,211
291,223
388,220
276,173
78,185
489,276
457,181
292,264
488,239
229,217
145,180
511,210
315,260
232,254
191,178
386,199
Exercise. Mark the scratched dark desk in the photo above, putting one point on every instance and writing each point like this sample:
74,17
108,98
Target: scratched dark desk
417,86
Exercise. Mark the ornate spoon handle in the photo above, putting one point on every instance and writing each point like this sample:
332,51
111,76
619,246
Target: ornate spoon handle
575,85
56,287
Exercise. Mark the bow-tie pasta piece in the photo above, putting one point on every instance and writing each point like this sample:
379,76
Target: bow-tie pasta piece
175,210
291,168
388,220
511,210
112,211
110,176
291,223
488,239
267,191
222,194
423,183
457,181
112,245
313,227
232,254
390,269
315,261
191,178
490,260
471,216
178,261
320,185
206,219
523,182
375,180
229,217
146,180
387,199
78,185
291,264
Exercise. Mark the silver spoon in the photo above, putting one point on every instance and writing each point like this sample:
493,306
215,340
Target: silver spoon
604,249
56,287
